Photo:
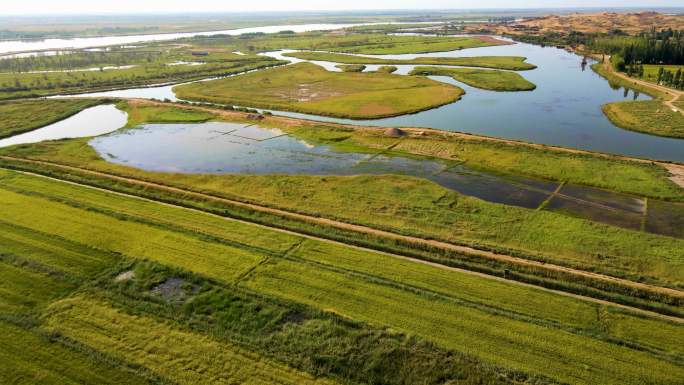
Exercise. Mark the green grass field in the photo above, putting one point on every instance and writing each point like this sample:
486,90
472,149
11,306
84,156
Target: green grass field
309,88
182,357
651,117
28,358
460,312
516,63
485,79
23,116
160,114
651,71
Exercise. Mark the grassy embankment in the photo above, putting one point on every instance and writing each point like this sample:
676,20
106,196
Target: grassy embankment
417,207
25,116
482,330
351,67
387,69
516,63
650,117
356,43
308,88
485,79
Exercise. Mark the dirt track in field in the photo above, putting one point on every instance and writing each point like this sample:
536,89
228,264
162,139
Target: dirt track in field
366,230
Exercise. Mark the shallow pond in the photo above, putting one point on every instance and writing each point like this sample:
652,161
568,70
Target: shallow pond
232,148
92,121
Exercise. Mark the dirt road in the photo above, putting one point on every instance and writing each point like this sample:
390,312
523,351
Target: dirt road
366,230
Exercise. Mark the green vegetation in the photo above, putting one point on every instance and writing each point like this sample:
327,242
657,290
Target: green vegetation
387,69
28,358
308,88
351,67
605,70
418,207
281,318
651,117
31,84
485,79
145,113
390,28
83,60
185,358
357,43
516,63
24,116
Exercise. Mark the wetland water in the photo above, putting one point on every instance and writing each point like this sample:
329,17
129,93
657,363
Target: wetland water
92,121
9,46
564,110
231,148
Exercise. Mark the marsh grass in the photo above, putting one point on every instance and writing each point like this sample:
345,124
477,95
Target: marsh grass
308,88
485,79
23,116
650,117
516,63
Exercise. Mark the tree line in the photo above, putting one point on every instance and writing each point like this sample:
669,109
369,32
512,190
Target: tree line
77,60
652,47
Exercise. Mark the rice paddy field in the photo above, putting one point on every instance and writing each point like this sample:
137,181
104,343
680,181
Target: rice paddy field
205,242
293,272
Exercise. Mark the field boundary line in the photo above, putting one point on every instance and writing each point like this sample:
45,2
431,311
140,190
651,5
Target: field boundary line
398,256
551,196
370,230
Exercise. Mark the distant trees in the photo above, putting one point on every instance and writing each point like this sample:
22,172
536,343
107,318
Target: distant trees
77,60
653,47
671,78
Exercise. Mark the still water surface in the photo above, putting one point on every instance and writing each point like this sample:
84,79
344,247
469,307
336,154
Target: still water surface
9,46
92,121
232,148
564,110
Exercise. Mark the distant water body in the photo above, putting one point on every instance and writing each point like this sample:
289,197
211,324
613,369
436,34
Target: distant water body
10,46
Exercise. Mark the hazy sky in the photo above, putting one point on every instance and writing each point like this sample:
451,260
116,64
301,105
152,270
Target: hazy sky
138,6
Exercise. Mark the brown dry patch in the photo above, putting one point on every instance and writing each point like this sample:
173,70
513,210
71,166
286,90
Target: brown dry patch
604,22
677,173
306,93
494,41
376,109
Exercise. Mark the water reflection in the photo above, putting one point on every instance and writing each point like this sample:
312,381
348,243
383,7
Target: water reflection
233,148
92,121
564,110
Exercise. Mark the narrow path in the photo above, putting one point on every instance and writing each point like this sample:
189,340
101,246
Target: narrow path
402,257
676,94
368,230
